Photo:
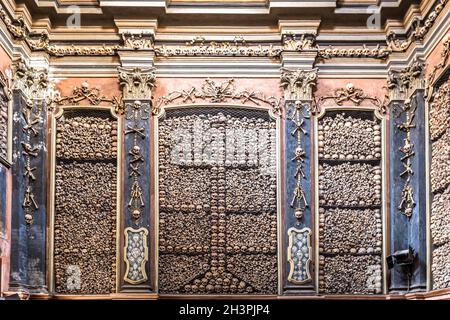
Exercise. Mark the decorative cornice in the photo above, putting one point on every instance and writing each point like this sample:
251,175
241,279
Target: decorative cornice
404,82
31,81
91,95
238,48
364,52
298,84
352,94
214,92
137,83
419,29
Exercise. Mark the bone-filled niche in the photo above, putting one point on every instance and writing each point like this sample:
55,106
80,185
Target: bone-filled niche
439,124
85,202
217,202
350,215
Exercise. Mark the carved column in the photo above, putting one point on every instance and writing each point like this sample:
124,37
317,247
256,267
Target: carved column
298,79
28,224
137,85
408,175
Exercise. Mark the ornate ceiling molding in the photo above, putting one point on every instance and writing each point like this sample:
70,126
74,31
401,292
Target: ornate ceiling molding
298,84
418,30
213,92
137,83
33,82
402,83
350,94
238,47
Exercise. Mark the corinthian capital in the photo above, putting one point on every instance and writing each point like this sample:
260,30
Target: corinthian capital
298,84
33,82
137,83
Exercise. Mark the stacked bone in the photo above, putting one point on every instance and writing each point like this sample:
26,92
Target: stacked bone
344,274
349,184
349,138
336,237
217,195
86,138
85,204
440,164
3,127
439,121
85,220
439,114
252,233
350,222
440,218
248,190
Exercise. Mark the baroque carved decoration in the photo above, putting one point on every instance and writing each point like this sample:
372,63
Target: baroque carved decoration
91,95
445,55
217,200
299,255
31,114
213,92
135,255
140,41
85,219
298,84
137,83
136,112
5,97
350,194
407,202
350,94
33,82
418,30
238,48
298,42
402,83
300,111
364,52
